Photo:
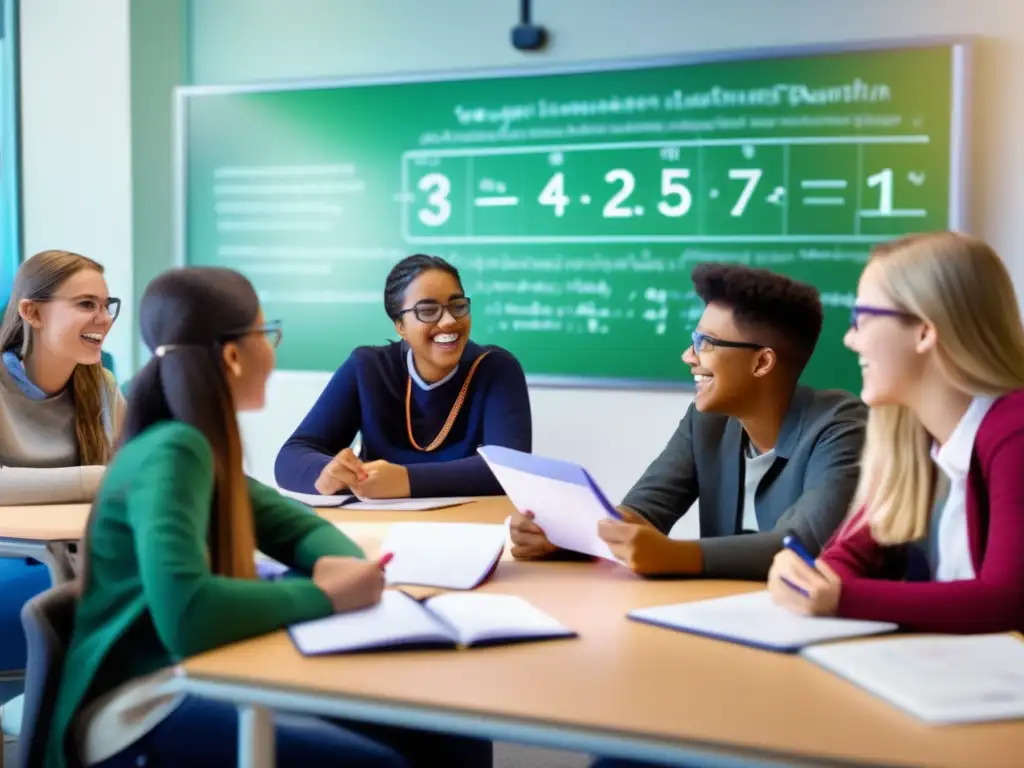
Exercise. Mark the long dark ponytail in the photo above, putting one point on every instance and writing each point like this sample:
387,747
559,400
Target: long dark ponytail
185,316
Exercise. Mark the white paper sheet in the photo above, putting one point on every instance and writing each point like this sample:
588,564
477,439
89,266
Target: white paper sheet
315,499
938,678
446,555
567,513
409,505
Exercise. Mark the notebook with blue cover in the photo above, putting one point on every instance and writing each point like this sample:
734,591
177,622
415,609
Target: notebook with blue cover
752,619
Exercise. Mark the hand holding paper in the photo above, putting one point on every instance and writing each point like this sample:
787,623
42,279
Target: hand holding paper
565,502
648,551
529,542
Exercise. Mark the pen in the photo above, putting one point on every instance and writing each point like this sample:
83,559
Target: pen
792,542
385,559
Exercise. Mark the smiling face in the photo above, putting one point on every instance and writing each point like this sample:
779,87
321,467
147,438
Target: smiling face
436,345
892,350
725,376
73,322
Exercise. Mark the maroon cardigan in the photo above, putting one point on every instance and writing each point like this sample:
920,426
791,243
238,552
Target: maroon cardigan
991,602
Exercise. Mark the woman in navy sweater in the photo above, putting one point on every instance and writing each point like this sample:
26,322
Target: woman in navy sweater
422,405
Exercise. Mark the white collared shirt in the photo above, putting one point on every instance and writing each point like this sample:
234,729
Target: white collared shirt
419,380
954,459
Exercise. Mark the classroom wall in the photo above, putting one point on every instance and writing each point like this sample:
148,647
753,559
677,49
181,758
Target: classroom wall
614,433
76,140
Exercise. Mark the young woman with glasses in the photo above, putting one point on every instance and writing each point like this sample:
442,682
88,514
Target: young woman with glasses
168,565
59,408
937,328
422,405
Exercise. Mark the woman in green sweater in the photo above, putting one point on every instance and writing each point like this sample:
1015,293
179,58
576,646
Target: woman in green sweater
168,566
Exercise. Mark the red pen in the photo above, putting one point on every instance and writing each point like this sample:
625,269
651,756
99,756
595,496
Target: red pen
385,559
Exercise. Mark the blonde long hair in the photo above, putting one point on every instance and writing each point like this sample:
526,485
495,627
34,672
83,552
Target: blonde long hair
39,278
959,285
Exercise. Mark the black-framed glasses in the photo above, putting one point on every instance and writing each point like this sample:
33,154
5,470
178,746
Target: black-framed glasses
433,311
272,330
89,304
864,309
702,342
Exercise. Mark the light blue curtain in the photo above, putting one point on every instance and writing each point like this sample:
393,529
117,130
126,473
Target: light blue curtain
10,218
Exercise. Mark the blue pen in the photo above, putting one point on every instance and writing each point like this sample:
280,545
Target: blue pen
792,542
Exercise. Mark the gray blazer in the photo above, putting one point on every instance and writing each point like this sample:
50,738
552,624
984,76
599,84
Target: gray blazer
807,490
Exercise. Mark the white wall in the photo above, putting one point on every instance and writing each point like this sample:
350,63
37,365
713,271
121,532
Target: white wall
69,44
76,140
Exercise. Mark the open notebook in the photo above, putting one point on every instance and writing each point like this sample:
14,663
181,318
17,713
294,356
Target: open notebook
446,621
446,555
940,679
753,619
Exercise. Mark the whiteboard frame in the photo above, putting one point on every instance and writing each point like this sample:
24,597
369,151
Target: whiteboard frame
962,50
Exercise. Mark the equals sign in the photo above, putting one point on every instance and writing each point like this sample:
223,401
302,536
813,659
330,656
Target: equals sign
496,202
823,185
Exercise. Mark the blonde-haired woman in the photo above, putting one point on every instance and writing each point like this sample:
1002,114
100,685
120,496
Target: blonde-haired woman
59,409
938,332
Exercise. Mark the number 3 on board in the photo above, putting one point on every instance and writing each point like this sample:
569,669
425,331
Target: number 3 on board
438,198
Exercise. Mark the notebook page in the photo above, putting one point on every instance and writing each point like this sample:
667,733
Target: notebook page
568,513
396,620
937,678
481,617
447,555
753,619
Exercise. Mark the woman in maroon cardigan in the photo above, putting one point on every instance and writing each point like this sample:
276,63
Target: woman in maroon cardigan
938,332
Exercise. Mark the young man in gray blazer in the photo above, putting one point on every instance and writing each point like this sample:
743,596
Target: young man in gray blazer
763,455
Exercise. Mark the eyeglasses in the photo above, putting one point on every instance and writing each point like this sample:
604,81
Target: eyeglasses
272,330
89,304
862,309
433,311
704,343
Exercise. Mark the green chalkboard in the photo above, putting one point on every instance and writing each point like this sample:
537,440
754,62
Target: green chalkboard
575,203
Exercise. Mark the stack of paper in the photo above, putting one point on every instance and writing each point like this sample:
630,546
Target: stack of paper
938,678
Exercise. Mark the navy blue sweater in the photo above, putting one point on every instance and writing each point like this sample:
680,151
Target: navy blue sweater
367,395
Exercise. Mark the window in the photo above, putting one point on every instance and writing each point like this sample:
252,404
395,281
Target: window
10,216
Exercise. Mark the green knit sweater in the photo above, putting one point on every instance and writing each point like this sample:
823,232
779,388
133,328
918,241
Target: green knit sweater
150,599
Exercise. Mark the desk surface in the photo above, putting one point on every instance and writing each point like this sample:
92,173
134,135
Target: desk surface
44,522
66,522
626,678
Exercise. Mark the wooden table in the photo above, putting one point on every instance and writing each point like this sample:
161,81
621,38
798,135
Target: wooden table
49,533
46,532
622,688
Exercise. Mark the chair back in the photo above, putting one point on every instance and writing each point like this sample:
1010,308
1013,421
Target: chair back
48,619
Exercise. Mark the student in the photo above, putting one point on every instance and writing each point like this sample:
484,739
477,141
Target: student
168,563
938,332
58,408
763,456
423,405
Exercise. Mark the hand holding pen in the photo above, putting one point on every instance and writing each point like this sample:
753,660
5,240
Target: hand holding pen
802,584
